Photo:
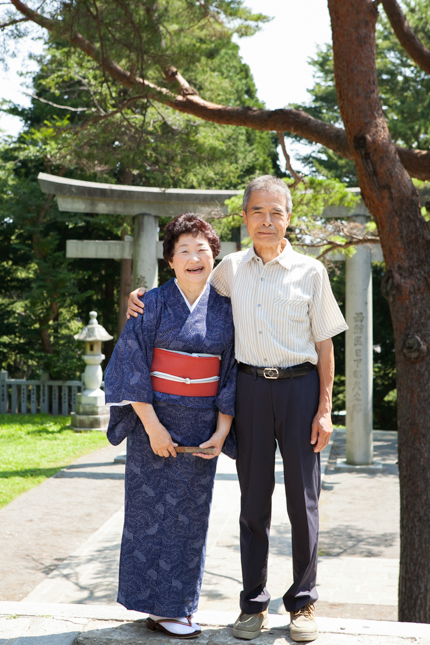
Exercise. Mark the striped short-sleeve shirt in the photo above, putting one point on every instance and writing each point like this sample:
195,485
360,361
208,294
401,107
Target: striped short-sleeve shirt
280,309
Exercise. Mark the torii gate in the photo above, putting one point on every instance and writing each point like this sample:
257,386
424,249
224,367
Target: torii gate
147,204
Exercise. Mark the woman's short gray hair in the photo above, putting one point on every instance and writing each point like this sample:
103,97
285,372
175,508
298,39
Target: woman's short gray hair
271,184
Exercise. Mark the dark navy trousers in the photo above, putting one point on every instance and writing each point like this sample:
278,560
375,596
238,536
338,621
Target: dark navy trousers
271,412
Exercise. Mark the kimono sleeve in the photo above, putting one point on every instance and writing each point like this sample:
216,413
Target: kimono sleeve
127,377
226,396
325,316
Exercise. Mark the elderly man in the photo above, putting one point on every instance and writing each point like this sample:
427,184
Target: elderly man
285,315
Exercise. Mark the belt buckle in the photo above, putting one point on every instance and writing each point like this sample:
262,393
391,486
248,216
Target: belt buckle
271,373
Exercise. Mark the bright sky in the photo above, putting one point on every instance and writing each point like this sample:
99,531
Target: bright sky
277,55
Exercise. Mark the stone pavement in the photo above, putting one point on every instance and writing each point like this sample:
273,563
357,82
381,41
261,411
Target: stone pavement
44,526
60,542
359,545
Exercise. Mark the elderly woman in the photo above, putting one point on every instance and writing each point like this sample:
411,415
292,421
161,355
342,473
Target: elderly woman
171,384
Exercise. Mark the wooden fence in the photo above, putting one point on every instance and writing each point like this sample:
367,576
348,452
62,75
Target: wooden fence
44,395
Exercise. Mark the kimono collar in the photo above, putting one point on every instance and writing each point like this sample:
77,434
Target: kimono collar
196,302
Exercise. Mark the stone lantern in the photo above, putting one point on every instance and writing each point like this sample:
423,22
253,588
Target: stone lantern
91,411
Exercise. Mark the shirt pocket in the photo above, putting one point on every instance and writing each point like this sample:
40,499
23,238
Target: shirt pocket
292,309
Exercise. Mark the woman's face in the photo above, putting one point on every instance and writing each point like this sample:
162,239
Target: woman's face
192,260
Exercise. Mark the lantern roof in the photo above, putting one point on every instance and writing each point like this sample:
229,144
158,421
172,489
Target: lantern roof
93,331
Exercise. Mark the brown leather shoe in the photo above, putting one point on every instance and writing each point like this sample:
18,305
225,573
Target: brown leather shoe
248,626
303,626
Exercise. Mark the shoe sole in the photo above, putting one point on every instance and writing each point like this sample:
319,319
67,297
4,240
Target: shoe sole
249,636
298,638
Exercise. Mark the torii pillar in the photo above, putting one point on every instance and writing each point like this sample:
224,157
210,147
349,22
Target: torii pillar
145,265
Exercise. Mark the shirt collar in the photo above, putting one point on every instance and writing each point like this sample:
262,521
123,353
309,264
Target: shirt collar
284,258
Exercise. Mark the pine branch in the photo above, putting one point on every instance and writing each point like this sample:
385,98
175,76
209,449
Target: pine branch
297,178
13,22
56,105
406,36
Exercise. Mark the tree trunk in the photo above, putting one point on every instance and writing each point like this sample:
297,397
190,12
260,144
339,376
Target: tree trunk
405,238
45,338
44,327
38,254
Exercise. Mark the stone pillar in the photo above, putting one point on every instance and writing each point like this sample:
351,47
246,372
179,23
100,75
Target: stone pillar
359,356
145,265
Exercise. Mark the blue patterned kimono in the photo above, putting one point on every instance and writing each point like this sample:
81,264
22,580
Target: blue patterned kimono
167,500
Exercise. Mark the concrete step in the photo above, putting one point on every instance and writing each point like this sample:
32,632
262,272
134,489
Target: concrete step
25,623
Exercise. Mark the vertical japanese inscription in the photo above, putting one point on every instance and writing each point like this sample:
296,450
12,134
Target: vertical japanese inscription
357,391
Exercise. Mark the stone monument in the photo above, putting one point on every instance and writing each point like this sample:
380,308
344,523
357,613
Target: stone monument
91,411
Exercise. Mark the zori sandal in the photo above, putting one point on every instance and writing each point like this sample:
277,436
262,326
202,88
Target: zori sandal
186,630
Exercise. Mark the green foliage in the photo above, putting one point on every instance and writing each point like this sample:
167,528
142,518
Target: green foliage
35,447
424,188
147,36
155,145
318,194
110,128
43,294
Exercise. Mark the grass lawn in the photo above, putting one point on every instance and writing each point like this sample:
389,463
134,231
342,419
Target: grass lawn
36,446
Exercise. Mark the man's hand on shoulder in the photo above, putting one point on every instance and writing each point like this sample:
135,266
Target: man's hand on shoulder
322,428
135,306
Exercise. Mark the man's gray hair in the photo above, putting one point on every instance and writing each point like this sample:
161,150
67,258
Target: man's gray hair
271,184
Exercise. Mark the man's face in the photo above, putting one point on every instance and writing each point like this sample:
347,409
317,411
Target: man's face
266,218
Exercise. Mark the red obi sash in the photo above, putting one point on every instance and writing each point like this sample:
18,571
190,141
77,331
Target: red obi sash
185,374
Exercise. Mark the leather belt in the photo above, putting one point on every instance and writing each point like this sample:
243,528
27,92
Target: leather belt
274,373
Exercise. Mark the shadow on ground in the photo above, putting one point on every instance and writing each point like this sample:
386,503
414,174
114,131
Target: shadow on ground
350,540
28,472
136,634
